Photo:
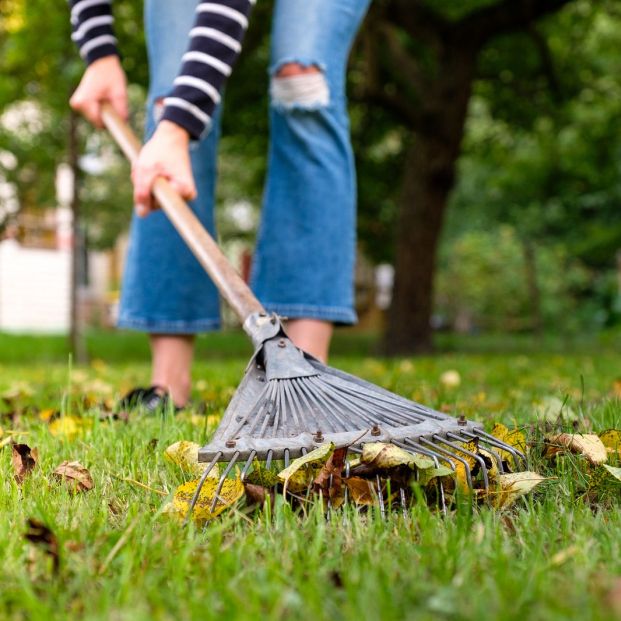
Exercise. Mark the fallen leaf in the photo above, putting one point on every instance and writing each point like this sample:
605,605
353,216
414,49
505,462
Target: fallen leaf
428,475
460,468
611,439
588,445
450,379
40,535
48,414
616,472
232,490
512,486
69,427
329,481
385,456
75,475
262,476
24,460
301,473
185,455
552,408
512,437
257,494
361,491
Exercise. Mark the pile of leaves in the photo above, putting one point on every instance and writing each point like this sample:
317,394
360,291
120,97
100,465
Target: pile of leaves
387,476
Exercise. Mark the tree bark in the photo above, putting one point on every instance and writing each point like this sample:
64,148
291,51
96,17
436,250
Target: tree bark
429,176
77,345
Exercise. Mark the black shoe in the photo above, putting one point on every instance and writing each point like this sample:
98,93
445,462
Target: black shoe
152,399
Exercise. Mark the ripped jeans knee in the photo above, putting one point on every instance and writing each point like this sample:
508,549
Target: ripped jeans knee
294,86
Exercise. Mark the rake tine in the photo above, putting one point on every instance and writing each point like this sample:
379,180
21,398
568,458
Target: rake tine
347,473
248,464
223,476
476,457
442,450
286,458
495,455
309,401
268,459
517,455
199,487
403,502
380,497
413,446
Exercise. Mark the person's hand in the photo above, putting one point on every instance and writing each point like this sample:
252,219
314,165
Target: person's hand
103,81
165,155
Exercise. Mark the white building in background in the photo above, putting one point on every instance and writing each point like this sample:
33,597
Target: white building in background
35,272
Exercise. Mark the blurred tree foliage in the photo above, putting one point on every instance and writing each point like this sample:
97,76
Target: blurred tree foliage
506,111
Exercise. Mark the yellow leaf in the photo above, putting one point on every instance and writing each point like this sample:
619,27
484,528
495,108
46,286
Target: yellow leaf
361,491
185,455
616,472
303,470
47,414
512,486
611,439
427,475
69,427
232,490
512,437
588,445
460,468
385,456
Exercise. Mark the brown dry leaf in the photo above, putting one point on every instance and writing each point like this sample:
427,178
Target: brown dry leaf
512,486
39,534
301,473
75,475
512,437
329,481
232,490
69,427
24,460
257,494
611,439
185,455
588,445
361,491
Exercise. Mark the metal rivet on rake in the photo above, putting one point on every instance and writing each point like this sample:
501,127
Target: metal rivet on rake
282,343
318,437
376,431
461,421
230,444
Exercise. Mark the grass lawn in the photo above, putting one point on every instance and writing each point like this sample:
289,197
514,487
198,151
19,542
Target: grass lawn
556,554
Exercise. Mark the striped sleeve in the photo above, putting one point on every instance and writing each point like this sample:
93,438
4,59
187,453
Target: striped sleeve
92,30
215,44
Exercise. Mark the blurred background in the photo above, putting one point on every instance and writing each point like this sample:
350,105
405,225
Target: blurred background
488,144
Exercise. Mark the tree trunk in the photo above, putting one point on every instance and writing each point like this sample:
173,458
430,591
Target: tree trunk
76,338
429,174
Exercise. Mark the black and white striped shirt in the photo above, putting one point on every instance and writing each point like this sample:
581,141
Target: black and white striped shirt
214,44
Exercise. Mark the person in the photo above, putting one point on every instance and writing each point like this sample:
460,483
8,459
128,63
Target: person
303,269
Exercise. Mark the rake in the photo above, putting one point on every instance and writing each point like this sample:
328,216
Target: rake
289,403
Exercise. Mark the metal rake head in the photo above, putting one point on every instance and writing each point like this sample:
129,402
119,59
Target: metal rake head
289,403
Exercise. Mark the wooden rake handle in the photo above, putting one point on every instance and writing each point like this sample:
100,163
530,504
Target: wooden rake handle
230,284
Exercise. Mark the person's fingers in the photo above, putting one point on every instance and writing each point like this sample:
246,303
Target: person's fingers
143,178
185,187
89,108
120,104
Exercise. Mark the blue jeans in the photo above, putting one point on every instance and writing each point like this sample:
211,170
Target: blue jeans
305,256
